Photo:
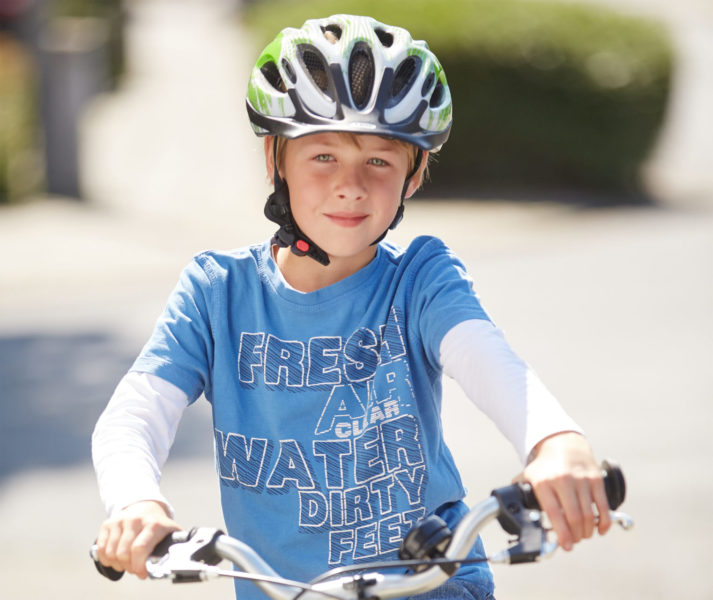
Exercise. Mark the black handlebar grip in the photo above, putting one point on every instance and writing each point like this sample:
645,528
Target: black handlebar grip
108,572
175,537
529,500
614,485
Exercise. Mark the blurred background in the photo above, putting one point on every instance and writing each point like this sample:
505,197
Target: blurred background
577,186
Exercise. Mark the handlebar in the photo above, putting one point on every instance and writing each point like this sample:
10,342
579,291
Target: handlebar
431,551
614,486
161,549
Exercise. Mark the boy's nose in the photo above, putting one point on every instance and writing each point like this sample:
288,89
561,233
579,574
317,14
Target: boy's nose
350,183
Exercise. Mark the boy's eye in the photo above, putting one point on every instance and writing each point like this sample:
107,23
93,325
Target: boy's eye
323,157
378,162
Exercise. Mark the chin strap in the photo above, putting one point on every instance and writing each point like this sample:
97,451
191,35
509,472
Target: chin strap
289,235
400,211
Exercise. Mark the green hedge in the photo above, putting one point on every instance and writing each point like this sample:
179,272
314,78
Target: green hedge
20,172
546,95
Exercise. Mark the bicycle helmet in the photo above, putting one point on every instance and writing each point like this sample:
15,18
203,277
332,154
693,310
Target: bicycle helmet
346,74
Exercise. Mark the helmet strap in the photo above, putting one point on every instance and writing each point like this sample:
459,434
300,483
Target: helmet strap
289,235
400,210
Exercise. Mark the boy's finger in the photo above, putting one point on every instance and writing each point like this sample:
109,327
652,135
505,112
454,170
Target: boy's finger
143,545
602,503
124,547
584,494
569,501
102,537
107,543
140,551
552,508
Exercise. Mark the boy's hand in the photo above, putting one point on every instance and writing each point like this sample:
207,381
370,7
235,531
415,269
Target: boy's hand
127,539
568,484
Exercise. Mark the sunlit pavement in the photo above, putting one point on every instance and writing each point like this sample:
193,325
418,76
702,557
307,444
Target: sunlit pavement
611,306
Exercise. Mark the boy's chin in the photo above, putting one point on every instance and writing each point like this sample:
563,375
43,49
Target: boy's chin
346,255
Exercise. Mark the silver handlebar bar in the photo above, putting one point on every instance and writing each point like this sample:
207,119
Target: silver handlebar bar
194,556
179,565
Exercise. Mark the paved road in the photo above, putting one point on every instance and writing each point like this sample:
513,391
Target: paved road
611,306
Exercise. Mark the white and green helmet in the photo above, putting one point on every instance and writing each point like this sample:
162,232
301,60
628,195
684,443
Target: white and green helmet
354,74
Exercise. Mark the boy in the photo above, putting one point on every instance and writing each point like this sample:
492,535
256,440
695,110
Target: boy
321,351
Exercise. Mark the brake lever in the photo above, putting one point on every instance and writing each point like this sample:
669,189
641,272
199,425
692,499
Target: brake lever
621,519
189,561
530,544
533,543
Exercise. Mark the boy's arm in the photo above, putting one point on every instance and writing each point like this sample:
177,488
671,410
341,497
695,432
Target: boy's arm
130,444
560,464
476,354
132,439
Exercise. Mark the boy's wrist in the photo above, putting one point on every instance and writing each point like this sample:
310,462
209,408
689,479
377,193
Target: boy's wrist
148,503
553,439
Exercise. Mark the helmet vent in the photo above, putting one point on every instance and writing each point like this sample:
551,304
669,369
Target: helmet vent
272,74
333,33
315,66
386,39
289,70
437,96
404,75
427,84
361,74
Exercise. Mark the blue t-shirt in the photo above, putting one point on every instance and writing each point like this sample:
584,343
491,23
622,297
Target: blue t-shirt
326,405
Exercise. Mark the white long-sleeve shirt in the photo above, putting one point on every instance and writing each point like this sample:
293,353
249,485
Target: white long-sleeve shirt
134,434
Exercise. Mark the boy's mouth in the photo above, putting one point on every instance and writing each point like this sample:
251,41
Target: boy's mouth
346,219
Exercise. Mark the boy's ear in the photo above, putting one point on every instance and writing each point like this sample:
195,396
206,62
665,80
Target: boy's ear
417,178
269,148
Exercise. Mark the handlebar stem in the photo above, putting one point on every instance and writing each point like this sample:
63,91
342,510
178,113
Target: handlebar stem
464,538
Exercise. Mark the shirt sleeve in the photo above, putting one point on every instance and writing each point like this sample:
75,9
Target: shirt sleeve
476,354
132,438
443,296
180,349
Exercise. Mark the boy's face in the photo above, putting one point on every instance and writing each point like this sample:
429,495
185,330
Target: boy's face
344,195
